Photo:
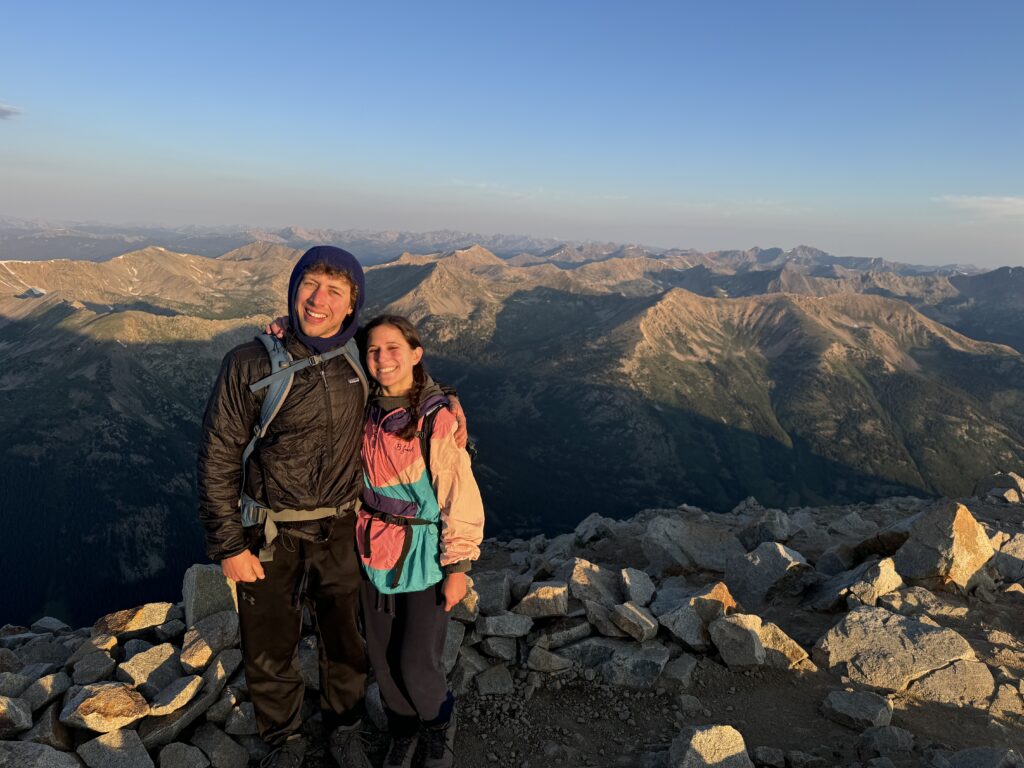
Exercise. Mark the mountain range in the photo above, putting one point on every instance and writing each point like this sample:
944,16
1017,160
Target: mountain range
597,378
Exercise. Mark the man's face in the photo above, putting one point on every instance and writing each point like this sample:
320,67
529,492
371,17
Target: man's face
322,303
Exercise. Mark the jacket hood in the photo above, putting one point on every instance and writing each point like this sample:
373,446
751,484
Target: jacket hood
336,258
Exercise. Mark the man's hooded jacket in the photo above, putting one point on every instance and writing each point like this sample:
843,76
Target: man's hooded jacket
309,457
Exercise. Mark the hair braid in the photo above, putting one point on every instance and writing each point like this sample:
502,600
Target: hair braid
419,379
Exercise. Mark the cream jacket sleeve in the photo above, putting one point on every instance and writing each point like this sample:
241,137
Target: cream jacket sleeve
462,509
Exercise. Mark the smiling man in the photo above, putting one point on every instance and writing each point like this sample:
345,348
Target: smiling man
304,474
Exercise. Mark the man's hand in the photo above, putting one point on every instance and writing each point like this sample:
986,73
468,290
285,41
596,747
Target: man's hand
244,566
454,589
277,327
461,431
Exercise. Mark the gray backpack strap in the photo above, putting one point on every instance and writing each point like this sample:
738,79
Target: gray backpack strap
287,368
279,383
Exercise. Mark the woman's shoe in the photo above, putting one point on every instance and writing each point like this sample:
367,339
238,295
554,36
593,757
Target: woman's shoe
440,745
400,751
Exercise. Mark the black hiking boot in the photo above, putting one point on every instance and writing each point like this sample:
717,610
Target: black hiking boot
348,746
400,751
291,754
440,745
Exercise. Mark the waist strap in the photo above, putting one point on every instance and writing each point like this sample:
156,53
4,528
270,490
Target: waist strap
405,523
254,514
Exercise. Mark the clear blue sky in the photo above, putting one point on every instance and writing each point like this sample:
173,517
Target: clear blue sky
891,129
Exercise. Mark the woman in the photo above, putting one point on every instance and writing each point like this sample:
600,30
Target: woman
418,533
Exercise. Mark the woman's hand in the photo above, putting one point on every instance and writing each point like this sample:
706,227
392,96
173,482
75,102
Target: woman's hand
277,327
454,589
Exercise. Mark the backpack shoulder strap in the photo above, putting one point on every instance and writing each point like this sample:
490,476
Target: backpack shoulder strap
278,385
424,434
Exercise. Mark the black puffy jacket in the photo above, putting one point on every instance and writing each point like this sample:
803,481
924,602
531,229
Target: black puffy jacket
309,457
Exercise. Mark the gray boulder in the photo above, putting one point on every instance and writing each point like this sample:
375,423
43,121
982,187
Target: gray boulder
9,661
594,651
221,749
593,527
15,716
494,591
852,526
709,746
542,660
689,621
49,624
241,721
470,664
208,638
692,545
635,620
635,667
1009,560
45,690
780,650
92,645
770,525
176,695
545,599
452,643
504,625
12,684
157,731
170,630
504,648
755,577
637,586
104,707
25,754
738,639
962,683
878,579
600,618
97,666
589,581
884,740
680,670
560,632
116,749
947,549
134,622
205,591
152,670
887,651
178,755
857,709
998,482
49,730
495,680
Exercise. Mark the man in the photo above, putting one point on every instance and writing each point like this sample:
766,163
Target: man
308,461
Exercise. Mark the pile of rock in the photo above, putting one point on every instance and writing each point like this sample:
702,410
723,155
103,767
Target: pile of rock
124,690
1002,486
872,596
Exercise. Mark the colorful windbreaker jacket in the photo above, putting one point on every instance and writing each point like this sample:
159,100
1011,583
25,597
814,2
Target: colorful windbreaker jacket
448,517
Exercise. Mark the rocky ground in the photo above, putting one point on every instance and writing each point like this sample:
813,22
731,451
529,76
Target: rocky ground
884,634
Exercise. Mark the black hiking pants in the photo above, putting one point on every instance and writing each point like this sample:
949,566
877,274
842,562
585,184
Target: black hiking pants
270,620
405,636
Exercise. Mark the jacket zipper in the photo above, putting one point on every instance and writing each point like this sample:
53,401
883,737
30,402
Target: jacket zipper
329,447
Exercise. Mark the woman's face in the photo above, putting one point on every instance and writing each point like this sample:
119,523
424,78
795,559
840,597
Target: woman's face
390,359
